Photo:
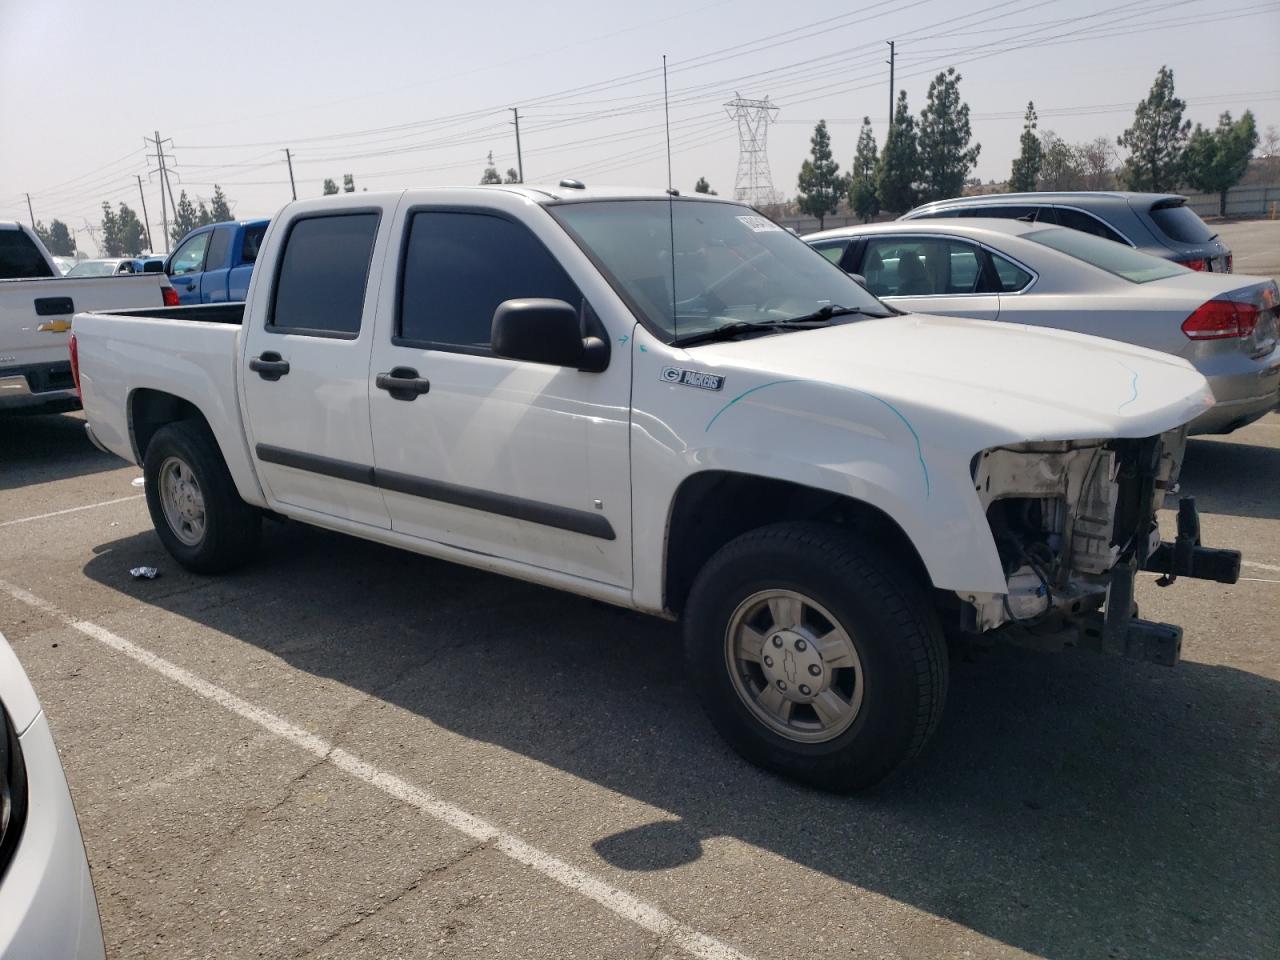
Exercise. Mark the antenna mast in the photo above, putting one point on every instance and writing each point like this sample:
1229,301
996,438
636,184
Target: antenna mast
754,182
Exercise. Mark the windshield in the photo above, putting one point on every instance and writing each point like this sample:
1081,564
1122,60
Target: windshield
93,268
1115,258
731,265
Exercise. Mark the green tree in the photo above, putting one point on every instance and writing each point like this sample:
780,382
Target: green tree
131,232
513,176
348,183
1061,167
43,235
60,241
1155,141
219,209
821,185
203,216
702,186
1216,159
330,188
864,197
112,244
185,218
945,155
899,174
1026,165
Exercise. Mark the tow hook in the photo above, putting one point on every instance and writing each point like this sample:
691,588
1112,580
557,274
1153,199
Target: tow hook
1185,557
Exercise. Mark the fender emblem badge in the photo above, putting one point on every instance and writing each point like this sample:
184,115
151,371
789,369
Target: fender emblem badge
692,378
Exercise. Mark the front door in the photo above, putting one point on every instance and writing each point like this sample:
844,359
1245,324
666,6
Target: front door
518,460
926,274
306,367
186,265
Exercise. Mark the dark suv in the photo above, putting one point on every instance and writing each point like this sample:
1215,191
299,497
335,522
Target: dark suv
1160,224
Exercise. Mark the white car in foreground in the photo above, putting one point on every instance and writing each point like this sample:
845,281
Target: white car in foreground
47,906
1224,324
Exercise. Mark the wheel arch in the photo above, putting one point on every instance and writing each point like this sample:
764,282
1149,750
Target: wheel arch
712,507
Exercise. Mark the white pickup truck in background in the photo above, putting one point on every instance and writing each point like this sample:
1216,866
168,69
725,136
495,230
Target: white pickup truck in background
673,405
36,306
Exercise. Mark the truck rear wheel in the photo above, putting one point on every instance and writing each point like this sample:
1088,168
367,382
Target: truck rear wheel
815,655
194,505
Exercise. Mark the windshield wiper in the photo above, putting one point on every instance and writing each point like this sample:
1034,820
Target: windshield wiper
739,327
834,310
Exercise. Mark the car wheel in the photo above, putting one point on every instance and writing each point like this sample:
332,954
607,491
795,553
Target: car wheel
815,655
194,505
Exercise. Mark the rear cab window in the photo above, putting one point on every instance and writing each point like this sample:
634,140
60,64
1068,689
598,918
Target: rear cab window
20,258
1116,259
324,270
252,243
1179,223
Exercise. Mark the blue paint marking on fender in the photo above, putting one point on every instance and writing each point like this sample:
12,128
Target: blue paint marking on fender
624,338
924,469
1133,384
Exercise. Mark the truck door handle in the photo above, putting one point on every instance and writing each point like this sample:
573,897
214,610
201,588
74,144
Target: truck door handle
403,383
269,366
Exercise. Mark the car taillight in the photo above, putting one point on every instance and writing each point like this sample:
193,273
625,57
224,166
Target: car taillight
1195,264
1220,320
75,365
170,296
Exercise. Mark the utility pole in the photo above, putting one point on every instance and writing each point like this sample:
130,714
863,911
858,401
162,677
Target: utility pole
288,158
164,184
30,213
519,157
146,221
890,62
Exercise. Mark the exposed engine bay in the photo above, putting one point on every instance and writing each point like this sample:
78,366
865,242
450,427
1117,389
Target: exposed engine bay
1073,521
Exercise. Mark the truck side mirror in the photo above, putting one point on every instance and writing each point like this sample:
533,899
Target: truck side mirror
859,279
545,331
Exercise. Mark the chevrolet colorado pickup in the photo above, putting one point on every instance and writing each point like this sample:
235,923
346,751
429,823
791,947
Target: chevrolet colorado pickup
673,405
36,306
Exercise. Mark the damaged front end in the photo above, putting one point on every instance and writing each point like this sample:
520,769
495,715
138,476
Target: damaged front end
1073,523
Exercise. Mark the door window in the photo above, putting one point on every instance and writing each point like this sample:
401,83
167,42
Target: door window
1087,223
252,243
19,257
459,266
928,266
220,240
189,258
833,250
323,273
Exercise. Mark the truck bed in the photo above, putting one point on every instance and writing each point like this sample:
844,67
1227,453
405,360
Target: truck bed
232,313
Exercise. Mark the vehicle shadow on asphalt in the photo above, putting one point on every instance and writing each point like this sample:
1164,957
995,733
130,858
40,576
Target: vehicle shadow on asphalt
1070,806
1229,477
38,448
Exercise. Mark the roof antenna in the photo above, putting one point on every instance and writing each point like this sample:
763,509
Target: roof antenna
671,213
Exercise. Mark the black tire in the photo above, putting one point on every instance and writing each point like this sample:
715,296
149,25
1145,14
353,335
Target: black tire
232,529
882,609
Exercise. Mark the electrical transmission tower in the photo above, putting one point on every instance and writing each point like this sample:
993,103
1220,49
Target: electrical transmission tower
754,182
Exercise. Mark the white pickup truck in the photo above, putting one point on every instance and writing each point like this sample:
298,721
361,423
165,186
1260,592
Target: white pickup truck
36,306
673,405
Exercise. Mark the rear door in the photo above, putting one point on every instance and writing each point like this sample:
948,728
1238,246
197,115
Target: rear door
186,264
930,274
305,370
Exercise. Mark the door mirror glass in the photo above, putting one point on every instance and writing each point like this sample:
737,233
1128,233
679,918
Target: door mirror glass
543,331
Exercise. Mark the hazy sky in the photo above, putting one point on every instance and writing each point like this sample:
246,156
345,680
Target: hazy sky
417,94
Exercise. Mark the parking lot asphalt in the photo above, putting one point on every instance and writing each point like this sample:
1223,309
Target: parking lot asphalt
1255,244
344,750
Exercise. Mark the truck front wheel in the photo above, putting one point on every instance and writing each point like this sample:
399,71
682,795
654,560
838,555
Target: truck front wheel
196,510
815,655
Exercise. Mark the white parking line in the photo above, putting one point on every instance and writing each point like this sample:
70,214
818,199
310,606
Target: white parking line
1269,567
624,904
87,506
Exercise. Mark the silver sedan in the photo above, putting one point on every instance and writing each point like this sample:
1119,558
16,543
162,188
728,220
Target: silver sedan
1224,324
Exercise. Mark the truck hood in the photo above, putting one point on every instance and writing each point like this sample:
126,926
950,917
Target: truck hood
972,383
